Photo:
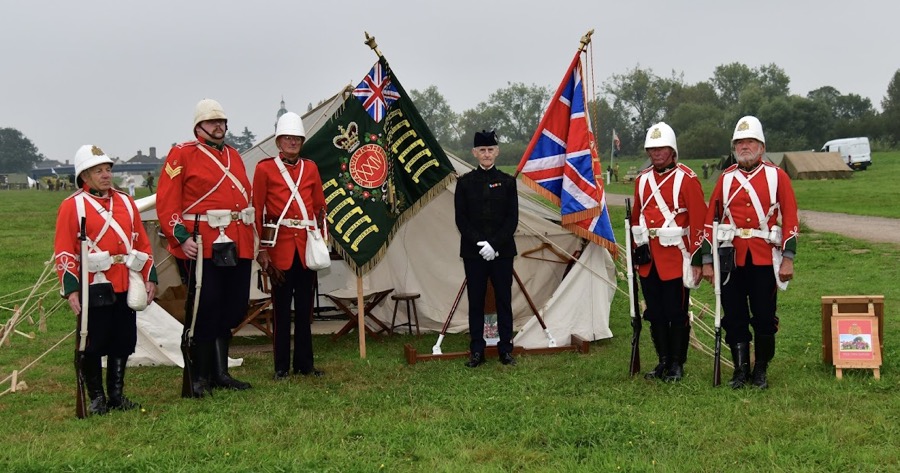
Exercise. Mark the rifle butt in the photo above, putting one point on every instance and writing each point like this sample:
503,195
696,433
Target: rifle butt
187,389
81,410
635,365
717,359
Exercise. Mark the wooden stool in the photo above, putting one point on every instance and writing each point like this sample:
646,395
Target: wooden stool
410,298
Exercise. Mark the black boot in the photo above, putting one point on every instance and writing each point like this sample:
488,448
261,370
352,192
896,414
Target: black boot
740,354
92,370
115,383
765,351
201,366
220,377
659,332
679,339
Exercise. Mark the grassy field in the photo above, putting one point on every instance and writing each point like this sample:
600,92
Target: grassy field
565,412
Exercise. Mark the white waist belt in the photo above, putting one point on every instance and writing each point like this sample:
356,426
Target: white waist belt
236,216
295,223
751,233
655,232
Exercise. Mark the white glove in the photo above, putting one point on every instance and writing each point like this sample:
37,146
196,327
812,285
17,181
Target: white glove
487,251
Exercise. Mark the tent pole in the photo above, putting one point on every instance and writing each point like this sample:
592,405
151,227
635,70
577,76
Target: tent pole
361,317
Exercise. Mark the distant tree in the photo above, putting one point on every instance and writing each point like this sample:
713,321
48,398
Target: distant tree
773,80
518,109
842,107
730,79
891,109
642,94
795,123
437,114
17,152
241,143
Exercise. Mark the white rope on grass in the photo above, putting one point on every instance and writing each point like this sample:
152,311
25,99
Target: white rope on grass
29,365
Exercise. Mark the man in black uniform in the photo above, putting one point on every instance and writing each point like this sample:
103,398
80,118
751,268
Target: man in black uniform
487,213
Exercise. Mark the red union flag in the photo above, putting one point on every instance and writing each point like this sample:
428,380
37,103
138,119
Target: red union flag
376,92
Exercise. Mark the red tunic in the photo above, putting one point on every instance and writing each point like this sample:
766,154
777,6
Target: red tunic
743,213
271,194
67,246
668,259
188,175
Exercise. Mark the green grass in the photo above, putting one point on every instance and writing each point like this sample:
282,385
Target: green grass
564,412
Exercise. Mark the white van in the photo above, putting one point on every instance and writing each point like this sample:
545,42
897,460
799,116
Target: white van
855,151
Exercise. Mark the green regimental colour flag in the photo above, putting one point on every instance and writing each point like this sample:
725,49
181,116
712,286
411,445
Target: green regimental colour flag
379,164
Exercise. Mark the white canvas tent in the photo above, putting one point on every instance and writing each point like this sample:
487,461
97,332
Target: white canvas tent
423,258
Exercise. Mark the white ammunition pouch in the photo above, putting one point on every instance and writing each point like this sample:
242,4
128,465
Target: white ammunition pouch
669,236
248,216
640,234
136,296
99,261
775,236
776,266
136,260
687,272
725,233
220,218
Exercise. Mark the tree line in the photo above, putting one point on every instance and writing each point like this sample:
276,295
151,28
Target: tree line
702,114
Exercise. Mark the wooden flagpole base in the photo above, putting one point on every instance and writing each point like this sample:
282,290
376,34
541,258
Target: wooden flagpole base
578,345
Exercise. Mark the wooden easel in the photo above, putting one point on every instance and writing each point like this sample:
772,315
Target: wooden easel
864,314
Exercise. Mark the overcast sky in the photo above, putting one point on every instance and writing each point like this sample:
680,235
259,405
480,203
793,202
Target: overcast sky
126,75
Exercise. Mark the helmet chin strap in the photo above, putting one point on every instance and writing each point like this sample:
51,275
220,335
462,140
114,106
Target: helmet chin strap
208,134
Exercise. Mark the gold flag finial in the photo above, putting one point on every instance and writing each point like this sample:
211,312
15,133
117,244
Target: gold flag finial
370,41
586,39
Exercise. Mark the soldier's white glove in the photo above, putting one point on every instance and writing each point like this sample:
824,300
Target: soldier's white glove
487,251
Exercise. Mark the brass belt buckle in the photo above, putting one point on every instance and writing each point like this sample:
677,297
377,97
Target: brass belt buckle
746,232
118,259
653,232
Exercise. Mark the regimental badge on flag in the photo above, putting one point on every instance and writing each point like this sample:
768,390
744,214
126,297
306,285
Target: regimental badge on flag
379,163
376,92
561,162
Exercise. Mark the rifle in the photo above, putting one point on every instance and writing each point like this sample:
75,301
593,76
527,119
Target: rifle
633,298
81,331
717,283
187,336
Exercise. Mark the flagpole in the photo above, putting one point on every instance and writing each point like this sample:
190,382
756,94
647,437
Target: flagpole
612,148
361,316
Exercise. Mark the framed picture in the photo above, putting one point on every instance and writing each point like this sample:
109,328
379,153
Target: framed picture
855,344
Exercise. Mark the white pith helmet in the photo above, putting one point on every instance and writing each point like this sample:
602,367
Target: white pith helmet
748,127
208,109
290,124
87,157
661,135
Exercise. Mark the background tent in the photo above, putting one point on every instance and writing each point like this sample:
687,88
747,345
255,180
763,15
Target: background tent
812,165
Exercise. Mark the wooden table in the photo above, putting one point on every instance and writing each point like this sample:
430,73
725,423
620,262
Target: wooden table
346,301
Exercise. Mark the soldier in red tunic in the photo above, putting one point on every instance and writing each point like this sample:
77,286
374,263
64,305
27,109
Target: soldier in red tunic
667,226
118,245
206,178
287,196
757,243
